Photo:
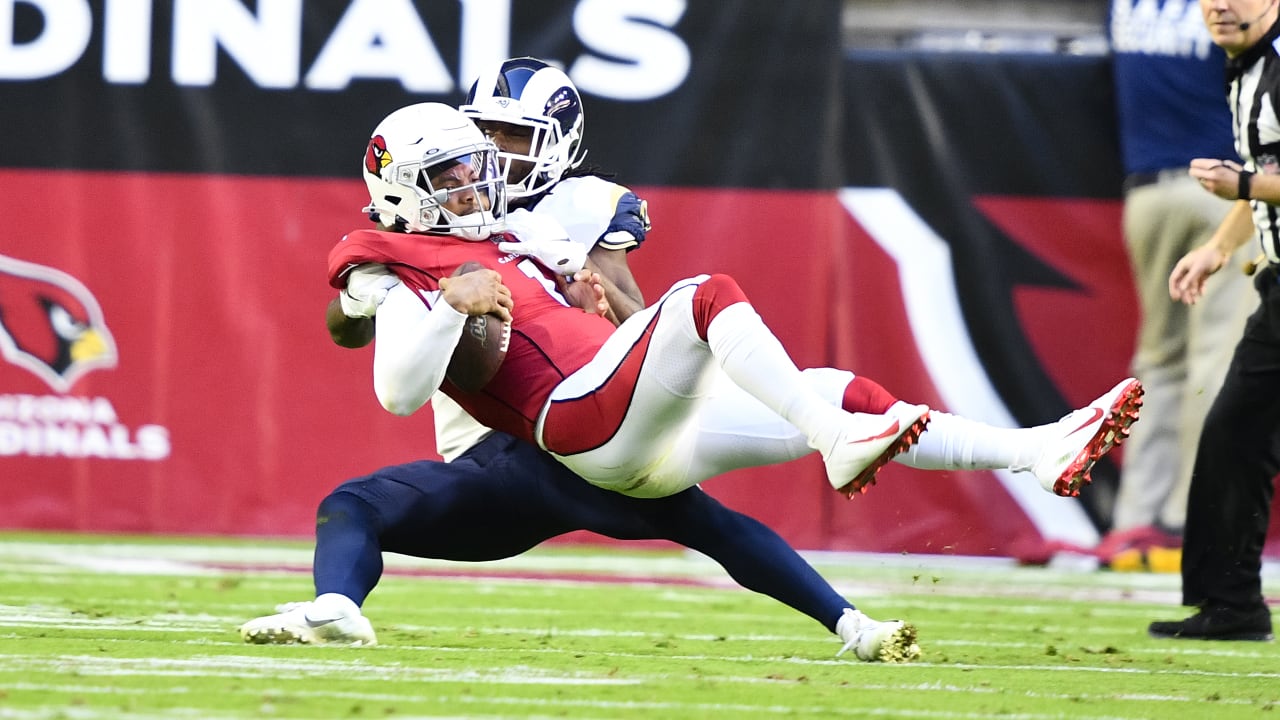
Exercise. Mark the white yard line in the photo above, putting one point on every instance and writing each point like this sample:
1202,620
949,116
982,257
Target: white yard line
799,711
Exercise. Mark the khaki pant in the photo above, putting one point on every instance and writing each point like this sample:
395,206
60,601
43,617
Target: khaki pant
1182,351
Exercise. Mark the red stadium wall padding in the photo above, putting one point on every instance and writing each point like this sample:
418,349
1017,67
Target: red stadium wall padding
217,403
945,223
832,297
211,288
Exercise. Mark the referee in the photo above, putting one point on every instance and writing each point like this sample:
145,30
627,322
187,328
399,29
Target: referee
1229,506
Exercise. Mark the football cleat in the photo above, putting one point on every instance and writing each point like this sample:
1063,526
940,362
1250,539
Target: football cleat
1079,439
891,641
868,442
311,623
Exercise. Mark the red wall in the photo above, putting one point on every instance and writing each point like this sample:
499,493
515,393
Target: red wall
212,291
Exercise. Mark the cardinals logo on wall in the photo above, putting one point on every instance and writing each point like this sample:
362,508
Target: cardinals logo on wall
51,325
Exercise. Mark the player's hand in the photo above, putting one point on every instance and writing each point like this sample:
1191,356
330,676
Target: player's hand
563,257
478,293
545,240
585,291
367,287
1186,282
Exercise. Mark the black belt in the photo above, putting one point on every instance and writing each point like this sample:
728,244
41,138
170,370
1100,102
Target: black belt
1133,181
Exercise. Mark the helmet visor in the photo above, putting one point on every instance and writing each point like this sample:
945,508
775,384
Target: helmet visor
447,181
467,186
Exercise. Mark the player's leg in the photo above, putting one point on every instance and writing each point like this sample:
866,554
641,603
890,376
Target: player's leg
615,415
752,554
735,430
755,360
758,559
346,566
504,496
1060,454
474,508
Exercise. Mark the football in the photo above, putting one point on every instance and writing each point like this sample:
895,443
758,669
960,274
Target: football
481,349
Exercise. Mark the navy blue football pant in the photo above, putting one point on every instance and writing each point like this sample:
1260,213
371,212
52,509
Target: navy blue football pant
1229,505
504,496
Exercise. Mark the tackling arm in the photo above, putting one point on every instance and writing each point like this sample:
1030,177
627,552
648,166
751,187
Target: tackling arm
347,332
620,287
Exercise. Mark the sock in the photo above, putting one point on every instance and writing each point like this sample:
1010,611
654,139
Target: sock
348,556
330,606
867,396
952,442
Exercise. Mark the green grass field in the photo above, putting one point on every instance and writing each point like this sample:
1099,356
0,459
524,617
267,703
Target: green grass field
131,628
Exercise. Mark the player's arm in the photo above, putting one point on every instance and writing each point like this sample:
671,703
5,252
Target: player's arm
349,316
625,231
416,340
410,360
585,291
347,332
620,288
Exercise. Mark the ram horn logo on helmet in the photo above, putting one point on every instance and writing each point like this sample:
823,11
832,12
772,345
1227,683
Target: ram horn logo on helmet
51,325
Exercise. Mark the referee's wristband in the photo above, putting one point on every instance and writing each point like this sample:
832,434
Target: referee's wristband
1242,185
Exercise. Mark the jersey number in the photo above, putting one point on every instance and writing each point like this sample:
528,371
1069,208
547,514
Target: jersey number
534,271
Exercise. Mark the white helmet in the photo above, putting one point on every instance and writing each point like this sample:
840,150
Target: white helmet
528,92
415,144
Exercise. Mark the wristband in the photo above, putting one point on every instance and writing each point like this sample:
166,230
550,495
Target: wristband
1242,185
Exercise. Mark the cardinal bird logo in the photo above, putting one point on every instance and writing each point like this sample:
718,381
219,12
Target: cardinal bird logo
50,324
376,157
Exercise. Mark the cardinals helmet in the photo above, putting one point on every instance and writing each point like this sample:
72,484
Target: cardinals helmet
429,169
530,93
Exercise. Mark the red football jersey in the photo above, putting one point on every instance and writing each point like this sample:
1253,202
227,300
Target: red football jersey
549,339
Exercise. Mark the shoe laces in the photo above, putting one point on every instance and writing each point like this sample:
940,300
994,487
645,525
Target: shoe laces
859,622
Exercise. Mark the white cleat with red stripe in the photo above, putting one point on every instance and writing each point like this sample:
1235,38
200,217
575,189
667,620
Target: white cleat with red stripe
867,442
1083,436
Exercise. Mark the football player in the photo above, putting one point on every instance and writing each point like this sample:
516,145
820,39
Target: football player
494,496
1060,455
623,407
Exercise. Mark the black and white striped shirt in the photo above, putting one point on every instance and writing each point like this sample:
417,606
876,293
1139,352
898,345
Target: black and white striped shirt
1253,91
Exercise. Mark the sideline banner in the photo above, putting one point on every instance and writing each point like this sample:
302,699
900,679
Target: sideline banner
1014,164
733,93
185,165
169,371
947,225
996,179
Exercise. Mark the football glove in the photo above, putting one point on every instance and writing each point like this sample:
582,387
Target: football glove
367,287
543,239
